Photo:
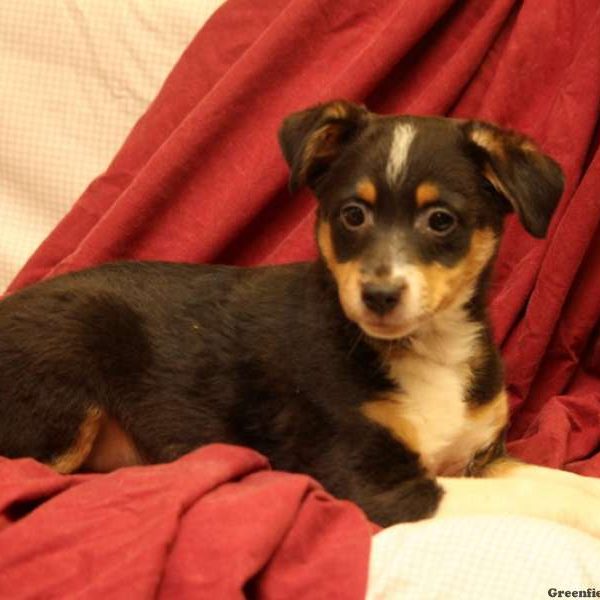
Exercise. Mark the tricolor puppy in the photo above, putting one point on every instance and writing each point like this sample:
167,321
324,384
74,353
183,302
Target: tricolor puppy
371,369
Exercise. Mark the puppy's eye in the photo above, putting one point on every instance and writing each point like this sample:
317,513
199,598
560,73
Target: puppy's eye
441,221
437,221
355,216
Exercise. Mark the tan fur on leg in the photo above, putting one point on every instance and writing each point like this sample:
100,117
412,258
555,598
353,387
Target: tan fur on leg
75,456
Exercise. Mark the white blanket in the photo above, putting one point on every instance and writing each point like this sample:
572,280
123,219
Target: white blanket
487,558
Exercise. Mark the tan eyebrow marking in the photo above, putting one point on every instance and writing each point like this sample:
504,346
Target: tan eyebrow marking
426,193
366,190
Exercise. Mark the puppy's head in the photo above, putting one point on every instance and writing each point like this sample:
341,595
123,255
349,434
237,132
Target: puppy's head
411,208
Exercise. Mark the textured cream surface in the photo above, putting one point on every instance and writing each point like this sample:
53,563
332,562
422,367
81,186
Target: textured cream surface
492,558
76,75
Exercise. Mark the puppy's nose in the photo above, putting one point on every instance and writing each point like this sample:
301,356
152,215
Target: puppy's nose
382,298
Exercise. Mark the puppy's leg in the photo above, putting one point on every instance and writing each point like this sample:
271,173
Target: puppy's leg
57,426
113,448
75,455
66,355
513,488
164,429
370,468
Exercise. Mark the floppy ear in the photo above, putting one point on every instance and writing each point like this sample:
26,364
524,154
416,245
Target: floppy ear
528,179
312,139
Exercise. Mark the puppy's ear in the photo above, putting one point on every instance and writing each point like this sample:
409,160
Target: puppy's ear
312,139
529,180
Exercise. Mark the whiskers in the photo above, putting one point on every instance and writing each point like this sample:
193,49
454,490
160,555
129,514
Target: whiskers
359,336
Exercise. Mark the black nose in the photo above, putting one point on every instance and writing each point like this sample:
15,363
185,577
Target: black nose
381,299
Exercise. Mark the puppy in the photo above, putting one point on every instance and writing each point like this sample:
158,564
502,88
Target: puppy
372,369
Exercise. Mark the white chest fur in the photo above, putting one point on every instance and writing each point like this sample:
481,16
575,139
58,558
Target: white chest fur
430,412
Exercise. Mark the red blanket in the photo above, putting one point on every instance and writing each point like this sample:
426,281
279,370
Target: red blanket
216,524
201,178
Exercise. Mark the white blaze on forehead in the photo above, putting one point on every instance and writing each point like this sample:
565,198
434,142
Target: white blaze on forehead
403,136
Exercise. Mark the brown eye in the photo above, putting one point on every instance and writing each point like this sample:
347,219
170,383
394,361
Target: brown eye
354,215
440,221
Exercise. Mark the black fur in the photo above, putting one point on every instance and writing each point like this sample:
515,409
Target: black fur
533,182
186,355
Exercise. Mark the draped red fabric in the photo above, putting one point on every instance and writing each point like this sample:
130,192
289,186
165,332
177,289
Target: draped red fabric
201,178
216,524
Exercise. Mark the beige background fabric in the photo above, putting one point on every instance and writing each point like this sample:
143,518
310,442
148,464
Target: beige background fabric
75,76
